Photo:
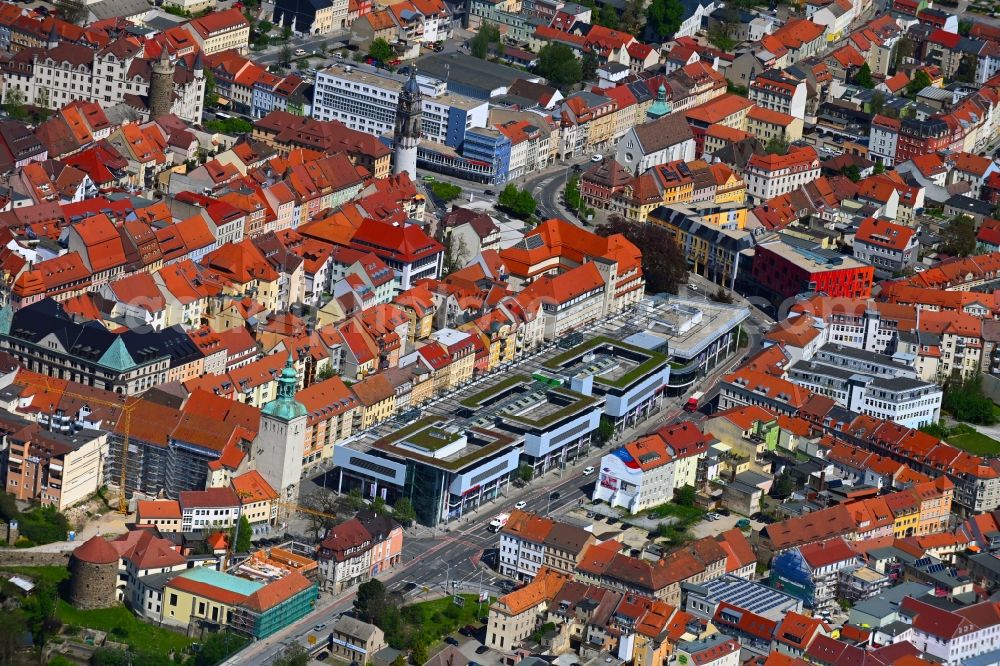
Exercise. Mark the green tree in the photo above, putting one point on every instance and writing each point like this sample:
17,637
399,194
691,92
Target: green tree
403,512
904,50
479,45
632,17
605,430
211,91
44,525
966,402
608,17
525,473
218,647
664,17
456,254
965,27
40,610
353,501
783,485
721,296
285,55
324,506
242,539
13,104
71,11
371,600
419,654
518,203
572,192
445,191
852,172
776,146
879,168
920,81
966,72
15,625
663,263
864,77
8,508
877,103
293,655
719,36
935,430
959,237
265,26
230,126
381,50
558,64
286,33
588,66
685,495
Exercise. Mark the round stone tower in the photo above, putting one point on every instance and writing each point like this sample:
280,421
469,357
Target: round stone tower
161,87
406,135
93,574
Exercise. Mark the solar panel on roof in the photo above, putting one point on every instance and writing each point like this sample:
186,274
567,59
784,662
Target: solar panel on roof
533,242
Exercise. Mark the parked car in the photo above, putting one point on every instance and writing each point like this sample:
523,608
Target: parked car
489,193
596,158
320,627
482,649
451,640
520,505
299,53
588,470
468,630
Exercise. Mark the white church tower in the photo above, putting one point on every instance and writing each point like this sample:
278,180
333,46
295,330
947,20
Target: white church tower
280,442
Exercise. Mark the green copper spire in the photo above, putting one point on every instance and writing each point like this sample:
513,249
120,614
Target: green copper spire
116,356
285,406
6,319
661,106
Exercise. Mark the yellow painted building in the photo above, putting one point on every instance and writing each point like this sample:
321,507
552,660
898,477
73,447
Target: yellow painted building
905,509
378,400
203,594
766,125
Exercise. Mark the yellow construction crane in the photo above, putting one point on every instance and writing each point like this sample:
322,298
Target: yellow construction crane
127,406
301,509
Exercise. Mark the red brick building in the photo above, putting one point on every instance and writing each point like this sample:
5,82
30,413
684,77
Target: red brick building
786,270
921,137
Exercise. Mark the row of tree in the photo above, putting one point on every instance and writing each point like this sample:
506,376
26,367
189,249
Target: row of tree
330,509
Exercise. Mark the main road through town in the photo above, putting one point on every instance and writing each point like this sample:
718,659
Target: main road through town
448,558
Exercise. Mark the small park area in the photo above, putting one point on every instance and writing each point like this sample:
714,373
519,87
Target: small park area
969,439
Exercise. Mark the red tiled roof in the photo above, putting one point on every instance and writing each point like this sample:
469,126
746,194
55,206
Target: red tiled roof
96,550
884,234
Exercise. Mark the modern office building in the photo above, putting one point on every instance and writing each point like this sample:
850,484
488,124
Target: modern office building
366,99
444,469
630,378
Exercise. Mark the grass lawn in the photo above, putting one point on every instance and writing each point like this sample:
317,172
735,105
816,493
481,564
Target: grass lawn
440,617
685,515
131,630
55,575
975,442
